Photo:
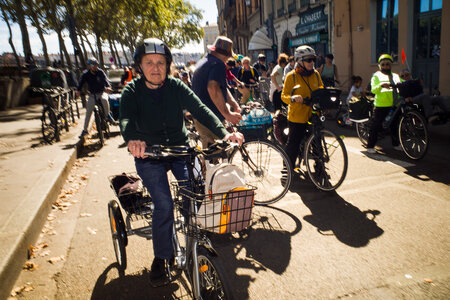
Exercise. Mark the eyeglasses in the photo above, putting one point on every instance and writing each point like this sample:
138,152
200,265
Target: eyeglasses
309,60
385,64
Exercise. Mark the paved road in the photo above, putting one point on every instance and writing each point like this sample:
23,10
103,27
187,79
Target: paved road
382,235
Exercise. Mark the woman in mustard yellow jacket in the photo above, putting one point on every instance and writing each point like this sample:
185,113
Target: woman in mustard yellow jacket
309,80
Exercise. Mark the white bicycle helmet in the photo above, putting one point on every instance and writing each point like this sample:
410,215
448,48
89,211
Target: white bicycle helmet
304,51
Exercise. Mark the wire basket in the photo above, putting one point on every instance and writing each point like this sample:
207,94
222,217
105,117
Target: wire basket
132,194
219,212
255,132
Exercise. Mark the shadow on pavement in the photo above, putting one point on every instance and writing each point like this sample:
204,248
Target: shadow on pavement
332,215
136,286
264,246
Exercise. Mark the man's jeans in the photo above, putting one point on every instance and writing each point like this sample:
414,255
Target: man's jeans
91,104
154,177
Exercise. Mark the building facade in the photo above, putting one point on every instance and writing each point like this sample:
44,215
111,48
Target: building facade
211,32
356,32
364,29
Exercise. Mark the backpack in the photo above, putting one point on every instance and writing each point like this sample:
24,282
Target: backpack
227,207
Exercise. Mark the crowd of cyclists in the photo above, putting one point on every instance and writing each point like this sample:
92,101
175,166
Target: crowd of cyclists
153,105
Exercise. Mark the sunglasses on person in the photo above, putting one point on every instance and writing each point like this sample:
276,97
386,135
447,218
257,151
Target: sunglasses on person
309,60
385,64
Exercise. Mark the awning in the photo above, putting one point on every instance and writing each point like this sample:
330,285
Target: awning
260,40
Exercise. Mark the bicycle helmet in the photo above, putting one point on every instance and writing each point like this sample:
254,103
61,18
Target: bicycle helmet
92,61
152,46
261,56
385,57
303,51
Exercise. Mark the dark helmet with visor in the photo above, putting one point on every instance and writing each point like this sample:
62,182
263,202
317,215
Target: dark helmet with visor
152,46
92,61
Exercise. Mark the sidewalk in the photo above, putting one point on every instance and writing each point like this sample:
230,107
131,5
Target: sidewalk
31,175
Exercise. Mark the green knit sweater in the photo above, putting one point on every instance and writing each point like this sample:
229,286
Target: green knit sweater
160,121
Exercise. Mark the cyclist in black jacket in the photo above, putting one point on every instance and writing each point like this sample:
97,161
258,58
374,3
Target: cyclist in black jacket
99,85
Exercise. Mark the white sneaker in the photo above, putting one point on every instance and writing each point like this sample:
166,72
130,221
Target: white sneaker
398,148
371,150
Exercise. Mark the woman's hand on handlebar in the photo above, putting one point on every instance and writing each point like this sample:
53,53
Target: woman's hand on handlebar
137,148
235,137
297,98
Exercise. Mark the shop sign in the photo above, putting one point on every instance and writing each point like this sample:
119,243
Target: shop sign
312,20
306,39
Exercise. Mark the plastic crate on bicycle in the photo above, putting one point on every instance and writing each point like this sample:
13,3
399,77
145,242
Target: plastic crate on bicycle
256,123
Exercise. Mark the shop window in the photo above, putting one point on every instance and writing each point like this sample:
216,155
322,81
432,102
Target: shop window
387,27
428,34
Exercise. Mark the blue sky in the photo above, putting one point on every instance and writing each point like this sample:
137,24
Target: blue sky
209,14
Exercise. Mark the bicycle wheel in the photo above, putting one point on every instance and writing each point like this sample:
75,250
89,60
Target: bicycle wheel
413,134
65,120
75,101
266,166
118,233
326,160
98,125
213,283
362,129
49,125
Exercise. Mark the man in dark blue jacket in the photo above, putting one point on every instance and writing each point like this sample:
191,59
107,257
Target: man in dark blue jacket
98,86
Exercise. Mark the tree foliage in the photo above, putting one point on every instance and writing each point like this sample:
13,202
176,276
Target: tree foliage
111,22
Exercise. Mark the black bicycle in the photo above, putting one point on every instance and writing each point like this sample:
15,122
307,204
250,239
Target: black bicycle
197,212
55,113
321,151
411,128
101,122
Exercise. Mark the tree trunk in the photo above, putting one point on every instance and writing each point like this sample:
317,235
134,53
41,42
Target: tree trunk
93,53
64,49
10,40
100,51
125,54
113,53
117,53
44,44
24,30
84,52
74,35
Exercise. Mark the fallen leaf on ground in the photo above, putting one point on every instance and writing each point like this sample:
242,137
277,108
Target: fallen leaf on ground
428,280
30,266
91,230
84,177
56,259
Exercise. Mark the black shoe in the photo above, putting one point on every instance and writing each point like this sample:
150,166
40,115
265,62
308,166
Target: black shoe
83,133
158,274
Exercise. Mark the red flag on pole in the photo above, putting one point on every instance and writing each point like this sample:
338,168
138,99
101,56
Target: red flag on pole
403,56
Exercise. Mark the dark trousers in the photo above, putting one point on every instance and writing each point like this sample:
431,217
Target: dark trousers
277,102
379,114
297,132
154,177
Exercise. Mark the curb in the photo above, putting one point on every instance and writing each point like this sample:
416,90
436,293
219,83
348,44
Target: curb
45,190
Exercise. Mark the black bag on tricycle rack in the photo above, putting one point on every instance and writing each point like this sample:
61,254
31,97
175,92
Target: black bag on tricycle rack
327,98
359,108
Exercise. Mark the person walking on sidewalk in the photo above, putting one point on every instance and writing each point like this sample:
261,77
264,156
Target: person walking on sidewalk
385,98
329,71
210,84
276,83
99,86
151,113
298,113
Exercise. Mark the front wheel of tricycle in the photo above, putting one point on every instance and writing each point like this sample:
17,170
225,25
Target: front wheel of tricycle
118,233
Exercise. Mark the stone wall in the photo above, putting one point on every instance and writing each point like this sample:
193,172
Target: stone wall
13,91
